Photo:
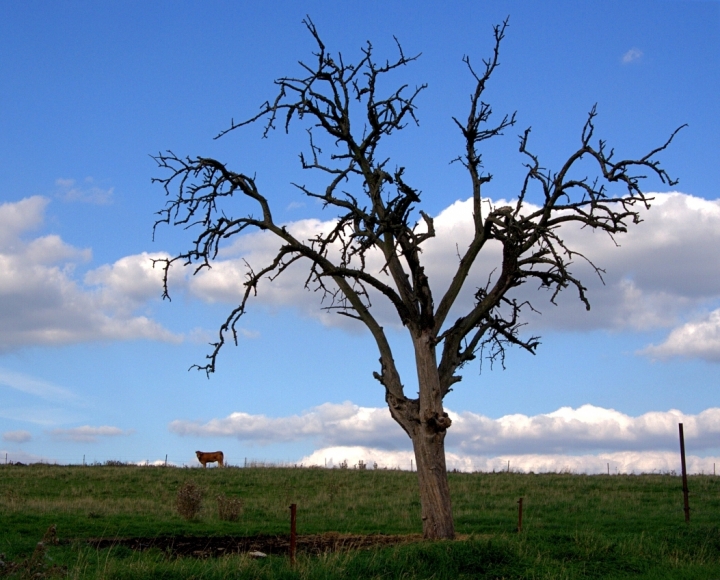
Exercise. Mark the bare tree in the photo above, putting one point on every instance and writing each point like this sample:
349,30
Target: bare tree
380,219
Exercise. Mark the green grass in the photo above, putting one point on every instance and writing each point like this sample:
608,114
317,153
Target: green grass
574,526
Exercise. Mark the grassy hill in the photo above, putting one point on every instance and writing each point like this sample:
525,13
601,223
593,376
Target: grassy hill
574,526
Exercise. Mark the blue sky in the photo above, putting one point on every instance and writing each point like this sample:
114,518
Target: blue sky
93,363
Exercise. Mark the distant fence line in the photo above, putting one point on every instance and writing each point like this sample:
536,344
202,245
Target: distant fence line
247,463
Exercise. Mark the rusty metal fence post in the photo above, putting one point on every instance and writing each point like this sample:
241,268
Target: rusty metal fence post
684,474
293,533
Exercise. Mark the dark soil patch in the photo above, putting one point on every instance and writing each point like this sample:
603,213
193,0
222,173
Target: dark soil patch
215,546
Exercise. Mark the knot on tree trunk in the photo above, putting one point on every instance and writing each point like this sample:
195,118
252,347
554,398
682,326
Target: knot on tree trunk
392,401
438,422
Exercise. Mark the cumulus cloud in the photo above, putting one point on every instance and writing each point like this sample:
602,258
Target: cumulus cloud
224,281
130,282
632,55
333,424
17,436
618,462
666,267
156,463
663,277
86,433
87,192
698,339
352,455
566,431
41,303
19,217
663,273
587,428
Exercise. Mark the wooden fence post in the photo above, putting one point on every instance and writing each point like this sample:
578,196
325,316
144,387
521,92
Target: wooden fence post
684,474
520,515
293,531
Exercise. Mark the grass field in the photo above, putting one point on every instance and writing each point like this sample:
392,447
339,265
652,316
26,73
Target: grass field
574,526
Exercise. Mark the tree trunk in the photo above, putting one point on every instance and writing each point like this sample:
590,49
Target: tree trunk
437,516
428,437
426,423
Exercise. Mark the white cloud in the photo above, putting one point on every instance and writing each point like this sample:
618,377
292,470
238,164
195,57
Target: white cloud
19,217
337,455
223,283
698,339
87,434
87,192
663,276
665,267
155,463
566,431
664,272
587,428
42,304
632,55
17,436
131,282
618,462
333,424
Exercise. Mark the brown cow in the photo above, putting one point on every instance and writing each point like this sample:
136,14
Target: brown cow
206,458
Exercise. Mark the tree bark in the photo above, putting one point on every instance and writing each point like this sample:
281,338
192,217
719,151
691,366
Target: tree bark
437,516
428,437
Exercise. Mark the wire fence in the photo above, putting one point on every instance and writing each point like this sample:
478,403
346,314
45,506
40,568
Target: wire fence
700,466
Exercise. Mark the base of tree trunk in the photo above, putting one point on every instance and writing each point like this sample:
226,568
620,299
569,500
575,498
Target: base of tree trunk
437,516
